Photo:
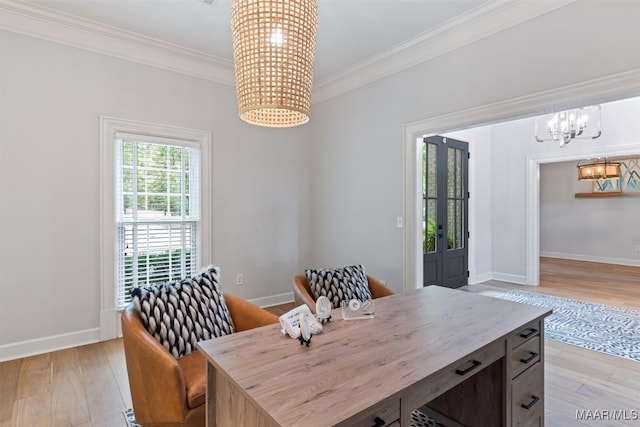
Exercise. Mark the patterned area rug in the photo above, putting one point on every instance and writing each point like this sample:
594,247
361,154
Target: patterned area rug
418,419
611,330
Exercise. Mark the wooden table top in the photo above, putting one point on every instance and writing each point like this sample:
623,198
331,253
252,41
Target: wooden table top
355,364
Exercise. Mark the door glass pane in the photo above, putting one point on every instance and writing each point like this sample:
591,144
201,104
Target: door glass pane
424,225
451,223
455,198
459,229
430,231
424,172
459,188
430,192
451,169
431,171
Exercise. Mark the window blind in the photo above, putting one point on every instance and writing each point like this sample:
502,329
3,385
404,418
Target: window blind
157,211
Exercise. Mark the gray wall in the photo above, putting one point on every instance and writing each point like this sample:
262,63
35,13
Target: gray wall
51,97
325,194
512,145
590,229
357,167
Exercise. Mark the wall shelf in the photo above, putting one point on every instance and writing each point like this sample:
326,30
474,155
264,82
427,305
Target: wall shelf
608,194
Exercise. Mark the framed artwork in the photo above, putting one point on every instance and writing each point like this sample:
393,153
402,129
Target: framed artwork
630,175
606,186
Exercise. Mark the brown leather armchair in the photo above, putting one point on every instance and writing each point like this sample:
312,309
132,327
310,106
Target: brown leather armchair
302,292
169,392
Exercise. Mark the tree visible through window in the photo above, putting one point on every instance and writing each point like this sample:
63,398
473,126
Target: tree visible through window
157,213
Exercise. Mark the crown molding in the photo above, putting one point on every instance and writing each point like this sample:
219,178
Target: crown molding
595,91
36,21
478,23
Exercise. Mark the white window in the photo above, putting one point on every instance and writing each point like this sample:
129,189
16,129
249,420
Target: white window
157,212
154,209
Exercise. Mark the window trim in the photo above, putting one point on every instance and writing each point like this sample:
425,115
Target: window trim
109,126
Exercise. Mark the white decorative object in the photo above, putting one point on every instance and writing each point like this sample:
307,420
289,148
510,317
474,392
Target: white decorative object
355,310
323,309
305,329
300,324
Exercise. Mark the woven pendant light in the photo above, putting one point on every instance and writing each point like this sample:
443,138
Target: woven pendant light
273,47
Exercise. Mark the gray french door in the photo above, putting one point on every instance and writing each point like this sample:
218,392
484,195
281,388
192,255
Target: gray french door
445,211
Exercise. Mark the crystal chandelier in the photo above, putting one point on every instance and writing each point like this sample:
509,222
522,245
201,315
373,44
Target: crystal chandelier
562,127
273,47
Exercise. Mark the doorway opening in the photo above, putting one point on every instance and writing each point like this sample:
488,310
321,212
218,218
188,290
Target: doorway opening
615,87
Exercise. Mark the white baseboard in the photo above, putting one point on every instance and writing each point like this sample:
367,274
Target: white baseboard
511,278
589,258
479,278
110,330
89,336
44,345
273,300
110,324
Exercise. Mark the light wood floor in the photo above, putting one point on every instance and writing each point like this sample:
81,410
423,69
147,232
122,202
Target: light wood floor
577,379
87,385
609,284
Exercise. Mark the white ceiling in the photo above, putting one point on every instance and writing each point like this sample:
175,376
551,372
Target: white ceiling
349,31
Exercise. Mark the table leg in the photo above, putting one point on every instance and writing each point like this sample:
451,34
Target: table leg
211,396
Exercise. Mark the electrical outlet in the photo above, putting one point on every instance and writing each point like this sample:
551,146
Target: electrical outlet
637,248
399,222
239,279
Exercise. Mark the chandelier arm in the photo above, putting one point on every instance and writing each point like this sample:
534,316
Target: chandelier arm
567,125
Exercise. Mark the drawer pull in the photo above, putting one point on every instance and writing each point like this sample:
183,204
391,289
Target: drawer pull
379,422
532,355
530,404
528,334
474,365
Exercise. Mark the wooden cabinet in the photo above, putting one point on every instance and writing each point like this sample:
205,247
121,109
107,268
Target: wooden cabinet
446,390
527,397
526,375
523,380
525,333
525,355
447,379
384,414
458,352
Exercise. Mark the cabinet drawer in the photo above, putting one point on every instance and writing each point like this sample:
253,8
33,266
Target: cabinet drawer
428,389
384,414
525,355
527,396
525,333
